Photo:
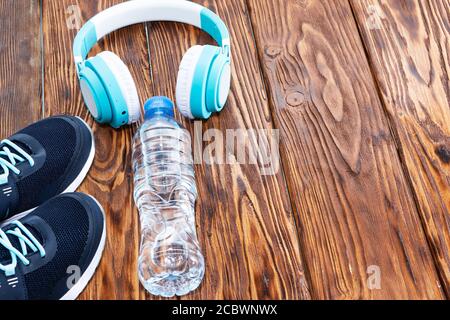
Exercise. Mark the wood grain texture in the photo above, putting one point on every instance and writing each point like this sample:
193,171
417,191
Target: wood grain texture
354,206
409,48
20,65
110,178
244,219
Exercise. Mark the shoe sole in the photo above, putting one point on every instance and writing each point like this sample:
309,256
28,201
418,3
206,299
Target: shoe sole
72,187
75,291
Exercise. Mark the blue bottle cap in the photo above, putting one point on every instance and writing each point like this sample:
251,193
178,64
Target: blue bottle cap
158,106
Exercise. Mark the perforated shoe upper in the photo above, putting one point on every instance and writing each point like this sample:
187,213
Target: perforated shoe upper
62,149
70,229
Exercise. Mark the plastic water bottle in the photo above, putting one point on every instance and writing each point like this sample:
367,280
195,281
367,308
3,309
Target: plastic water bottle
170,259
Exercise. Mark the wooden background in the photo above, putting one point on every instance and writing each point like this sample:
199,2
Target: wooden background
360,92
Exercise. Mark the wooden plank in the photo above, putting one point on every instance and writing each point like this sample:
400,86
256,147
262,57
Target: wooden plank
409,47
110,179
244,219
353,204
20,65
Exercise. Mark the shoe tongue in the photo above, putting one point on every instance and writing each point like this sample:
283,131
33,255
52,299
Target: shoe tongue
21,145
5,255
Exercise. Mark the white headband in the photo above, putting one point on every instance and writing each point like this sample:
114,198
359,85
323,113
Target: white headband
139,11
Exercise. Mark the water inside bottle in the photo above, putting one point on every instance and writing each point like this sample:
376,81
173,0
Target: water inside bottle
170,260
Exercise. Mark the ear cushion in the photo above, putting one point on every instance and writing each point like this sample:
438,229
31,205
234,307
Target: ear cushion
95,95
185,80
127,86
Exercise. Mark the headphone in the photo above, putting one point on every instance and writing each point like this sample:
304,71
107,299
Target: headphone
106,83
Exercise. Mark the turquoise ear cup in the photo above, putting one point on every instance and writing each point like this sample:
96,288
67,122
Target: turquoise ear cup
211,82
218,83
203,81
103,92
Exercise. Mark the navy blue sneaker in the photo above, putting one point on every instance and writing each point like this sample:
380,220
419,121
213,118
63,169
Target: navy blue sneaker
47,158
53,252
